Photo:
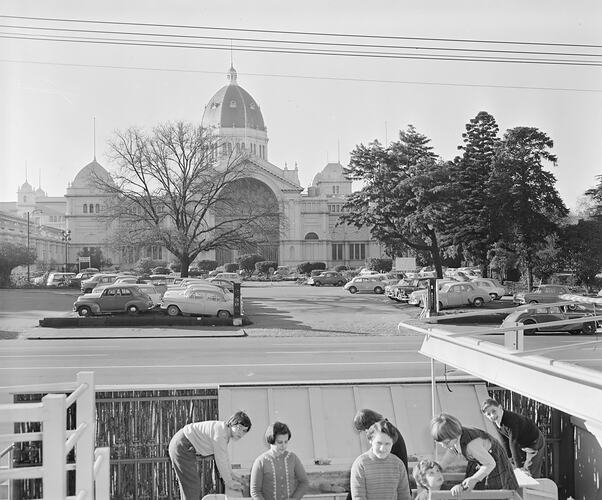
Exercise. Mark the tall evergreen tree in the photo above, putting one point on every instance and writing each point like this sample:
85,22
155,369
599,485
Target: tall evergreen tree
528,202
471,218
401,198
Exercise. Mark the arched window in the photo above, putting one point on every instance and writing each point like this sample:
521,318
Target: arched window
97,208
91,208
85,208
311,236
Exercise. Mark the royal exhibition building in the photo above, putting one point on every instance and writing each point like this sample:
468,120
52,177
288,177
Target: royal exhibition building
311,233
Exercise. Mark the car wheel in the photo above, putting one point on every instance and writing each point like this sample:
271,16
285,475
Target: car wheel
352,289
494,296
589,328
533,302
378,289
223,314
317,283
478,302
340,283
133,310
530,331
84,311
173,310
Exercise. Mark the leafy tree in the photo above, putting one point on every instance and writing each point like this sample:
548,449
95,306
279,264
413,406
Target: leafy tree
265,266
595,195
308,267
380,265
470,221
97,259
146,265
11,256
581,250
231,267
524,193
207,265
546,261
404,194
172,188
247,261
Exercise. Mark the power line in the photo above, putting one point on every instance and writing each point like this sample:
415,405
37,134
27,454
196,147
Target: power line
301,42
306,77
311,33
340,53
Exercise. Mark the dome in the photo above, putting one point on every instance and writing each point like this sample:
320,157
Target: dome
332,172
86,177
233,107
40,193
26,187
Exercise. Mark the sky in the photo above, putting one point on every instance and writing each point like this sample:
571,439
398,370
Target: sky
317,108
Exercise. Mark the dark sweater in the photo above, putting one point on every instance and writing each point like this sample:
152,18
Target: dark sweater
517,432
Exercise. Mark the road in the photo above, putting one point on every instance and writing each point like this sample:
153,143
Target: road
298,334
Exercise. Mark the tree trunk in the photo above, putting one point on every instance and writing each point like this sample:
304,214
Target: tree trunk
184,265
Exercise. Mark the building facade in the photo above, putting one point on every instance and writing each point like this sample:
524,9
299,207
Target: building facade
309,229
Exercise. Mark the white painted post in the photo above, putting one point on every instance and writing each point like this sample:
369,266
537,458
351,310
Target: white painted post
514,340
102,474
84,449
54,475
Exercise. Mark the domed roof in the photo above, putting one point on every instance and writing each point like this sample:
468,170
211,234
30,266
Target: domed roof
86,177
26,187
331,172
233,107
40,192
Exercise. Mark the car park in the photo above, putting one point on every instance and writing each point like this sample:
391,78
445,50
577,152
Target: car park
199,302
540,315
98,279
542,293
366,283
327,278
495,289
113,298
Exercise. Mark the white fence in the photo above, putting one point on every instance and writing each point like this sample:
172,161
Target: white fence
92,467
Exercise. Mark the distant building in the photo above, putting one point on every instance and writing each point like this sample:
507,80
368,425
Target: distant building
310,232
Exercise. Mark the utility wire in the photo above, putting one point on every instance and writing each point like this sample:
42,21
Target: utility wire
300,42
562,62
305,77
310,33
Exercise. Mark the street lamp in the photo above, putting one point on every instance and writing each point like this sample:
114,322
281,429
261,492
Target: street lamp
66,237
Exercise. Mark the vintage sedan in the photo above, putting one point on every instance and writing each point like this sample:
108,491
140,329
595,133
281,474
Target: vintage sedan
201,301
113,298
494,287
327,278
372,284
540,315
543,293
454,294
401,291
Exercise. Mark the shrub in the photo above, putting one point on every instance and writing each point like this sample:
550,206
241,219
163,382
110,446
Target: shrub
231,267
247,261
340,268
380,265
207,265
265,266
308,267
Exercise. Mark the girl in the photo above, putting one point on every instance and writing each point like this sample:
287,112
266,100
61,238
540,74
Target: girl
278,474
206,438
378,474
488,465
429,477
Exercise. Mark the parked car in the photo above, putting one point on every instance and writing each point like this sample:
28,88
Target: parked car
540,315
366,283
418,297
327,278
76,281
401,291
152,291
494,287
227,284
453,294
543,293
59,280
98,279
160,270
233,277
113,298
200,302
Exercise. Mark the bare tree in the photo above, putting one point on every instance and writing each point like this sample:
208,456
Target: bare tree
174,187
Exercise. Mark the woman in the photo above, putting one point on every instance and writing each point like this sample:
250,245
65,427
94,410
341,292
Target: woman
488,467
206,439
278,474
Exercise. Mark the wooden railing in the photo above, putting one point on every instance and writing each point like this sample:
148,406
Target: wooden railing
92,467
